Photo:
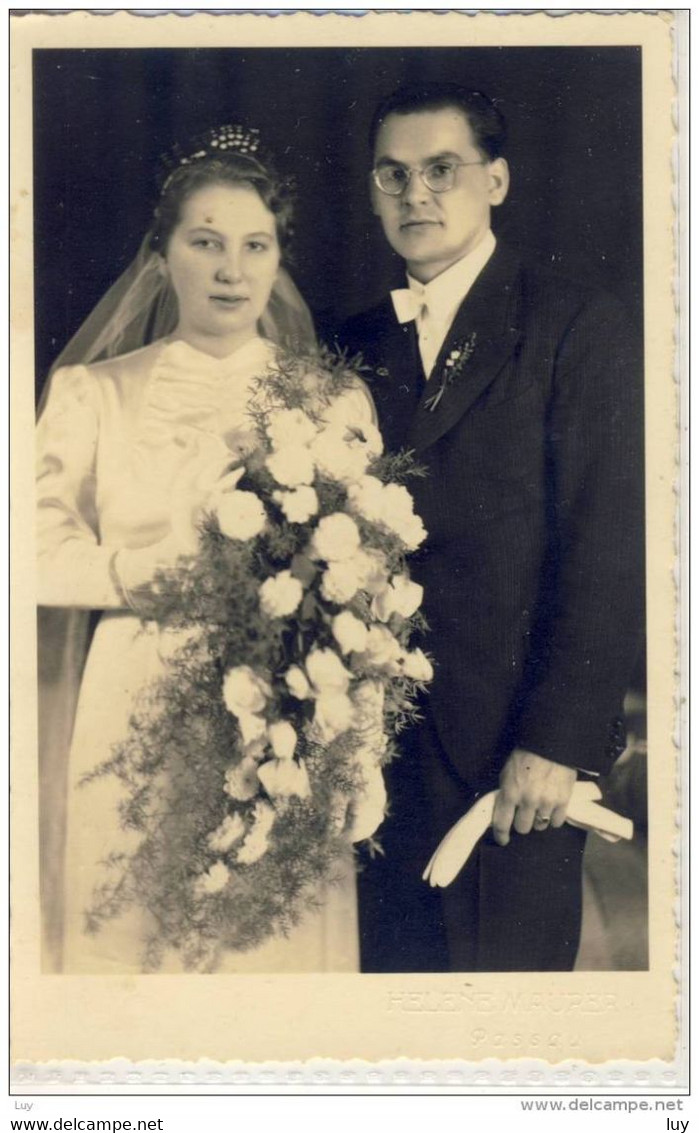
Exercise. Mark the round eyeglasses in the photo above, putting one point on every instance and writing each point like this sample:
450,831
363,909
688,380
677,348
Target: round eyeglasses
437,176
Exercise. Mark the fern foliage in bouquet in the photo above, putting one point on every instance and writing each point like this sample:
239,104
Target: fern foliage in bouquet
255,761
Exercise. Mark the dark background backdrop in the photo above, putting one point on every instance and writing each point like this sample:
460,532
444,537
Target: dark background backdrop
103,117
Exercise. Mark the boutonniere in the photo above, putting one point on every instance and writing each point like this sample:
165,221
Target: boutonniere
452,369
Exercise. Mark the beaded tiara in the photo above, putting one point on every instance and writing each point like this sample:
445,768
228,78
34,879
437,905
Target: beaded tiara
217,141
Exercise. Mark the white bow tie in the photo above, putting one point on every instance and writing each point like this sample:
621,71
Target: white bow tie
407,304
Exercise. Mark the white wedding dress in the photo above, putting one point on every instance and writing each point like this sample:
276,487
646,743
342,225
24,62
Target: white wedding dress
111,441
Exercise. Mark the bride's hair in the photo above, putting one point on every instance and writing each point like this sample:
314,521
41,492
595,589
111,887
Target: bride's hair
141,307
227,155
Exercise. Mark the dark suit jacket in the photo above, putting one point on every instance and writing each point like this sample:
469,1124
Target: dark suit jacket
533,503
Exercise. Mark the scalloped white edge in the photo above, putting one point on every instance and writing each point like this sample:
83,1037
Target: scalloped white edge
354,1076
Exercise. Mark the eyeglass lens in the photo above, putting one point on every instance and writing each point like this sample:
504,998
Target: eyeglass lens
438,176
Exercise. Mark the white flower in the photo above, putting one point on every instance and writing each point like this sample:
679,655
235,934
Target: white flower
326,671
417,666
291,466
371,569
333,715
370,804
336,538
299,504
241,780
231,830
389,505
290,427
282,737
383,651
336,457
213,881
401,596
244,691
365,497
241,515
252,727
284,777
399,516
368,436
412,532
257,841
281,594
297,683
349,632
340,582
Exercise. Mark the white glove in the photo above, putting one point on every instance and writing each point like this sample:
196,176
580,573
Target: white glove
456,847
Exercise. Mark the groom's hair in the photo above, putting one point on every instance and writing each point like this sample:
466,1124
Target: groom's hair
481,113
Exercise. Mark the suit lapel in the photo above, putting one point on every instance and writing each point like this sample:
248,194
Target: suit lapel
397,382
485,319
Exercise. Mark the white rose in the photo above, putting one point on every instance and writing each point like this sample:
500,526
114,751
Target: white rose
369,437
281,594
241,780
244,691
399,516
252,728
297,683
383,651
340,582
299,504
336,538
336,457
284,777
371,569
365,497
257,841
291,466
213,881
417,666
326,671
334,714
241,515
412,532
401,596
369,805
231,830
349,632
397,503
290,427
282,737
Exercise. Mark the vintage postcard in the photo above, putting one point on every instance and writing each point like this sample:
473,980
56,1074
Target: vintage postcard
346,727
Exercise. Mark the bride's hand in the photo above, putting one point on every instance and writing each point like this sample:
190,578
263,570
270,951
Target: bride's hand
204,474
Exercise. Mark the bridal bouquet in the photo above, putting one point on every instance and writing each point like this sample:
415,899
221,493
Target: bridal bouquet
255,761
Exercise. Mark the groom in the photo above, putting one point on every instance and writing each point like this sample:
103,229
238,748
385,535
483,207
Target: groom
521,394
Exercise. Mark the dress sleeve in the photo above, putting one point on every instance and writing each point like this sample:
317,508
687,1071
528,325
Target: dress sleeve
74,570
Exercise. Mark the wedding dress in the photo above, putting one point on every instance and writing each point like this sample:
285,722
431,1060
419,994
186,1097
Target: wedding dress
112,439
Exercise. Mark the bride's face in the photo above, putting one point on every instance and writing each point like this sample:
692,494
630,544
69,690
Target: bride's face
222,259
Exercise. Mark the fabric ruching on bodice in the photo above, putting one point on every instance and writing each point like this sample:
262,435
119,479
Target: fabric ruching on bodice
190,394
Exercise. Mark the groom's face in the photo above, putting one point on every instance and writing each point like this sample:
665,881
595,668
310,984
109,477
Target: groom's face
430,230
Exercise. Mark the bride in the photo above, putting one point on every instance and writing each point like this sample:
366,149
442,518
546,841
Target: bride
130,447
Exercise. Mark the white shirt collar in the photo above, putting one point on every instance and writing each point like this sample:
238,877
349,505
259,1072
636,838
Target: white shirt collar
444,294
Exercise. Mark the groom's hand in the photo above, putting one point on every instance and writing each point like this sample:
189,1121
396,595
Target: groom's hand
534,794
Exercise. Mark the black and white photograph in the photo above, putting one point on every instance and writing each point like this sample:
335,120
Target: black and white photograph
341,387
